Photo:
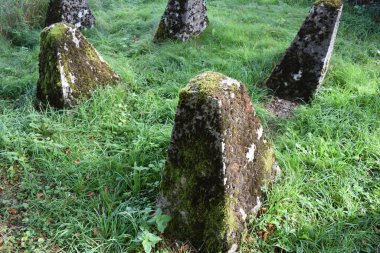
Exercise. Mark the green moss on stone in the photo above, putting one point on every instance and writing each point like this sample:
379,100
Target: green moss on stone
54,33
204,85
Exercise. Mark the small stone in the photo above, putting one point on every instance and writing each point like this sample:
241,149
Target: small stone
304,65
75,12
218,161
70,67
182,20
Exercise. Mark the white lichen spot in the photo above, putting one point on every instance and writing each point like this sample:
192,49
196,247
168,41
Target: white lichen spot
232,95
297,76
80,14
72,78
75,39
183,180
276,171
65,47
78,25
259,132
265,141
233,248
230,82
66,89
243,214
224,181
224,168
223,146
251,153
220,103
257,207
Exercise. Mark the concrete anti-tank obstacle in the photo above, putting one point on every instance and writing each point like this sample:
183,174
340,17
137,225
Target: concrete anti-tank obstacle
182,20
218,161
75,12
69,67
303,67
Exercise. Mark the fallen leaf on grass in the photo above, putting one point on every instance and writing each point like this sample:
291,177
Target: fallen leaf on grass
68,151
261,211
271,228
263,235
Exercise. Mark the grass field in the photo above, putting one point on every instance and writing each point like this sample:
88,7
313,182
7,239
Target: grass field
86,179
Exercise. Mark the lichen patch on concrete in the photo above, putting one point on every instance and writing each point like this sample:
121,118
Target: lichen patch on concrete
251,153
258,205
260,132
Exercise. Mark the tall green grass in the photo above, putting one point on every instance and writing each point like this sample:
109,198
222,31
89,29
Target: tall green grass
18,17
86,179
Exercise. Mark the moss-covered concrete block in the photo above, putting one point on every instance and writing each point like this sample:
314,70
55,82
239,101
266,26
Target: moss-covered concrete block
182,20
218,161
70,67
75,12
303,67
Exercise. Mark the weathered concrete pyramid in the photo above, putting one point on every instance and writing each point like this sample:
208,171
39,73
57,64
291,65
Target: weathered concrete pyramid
75,12
304,65
70,68
218,161
182,20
